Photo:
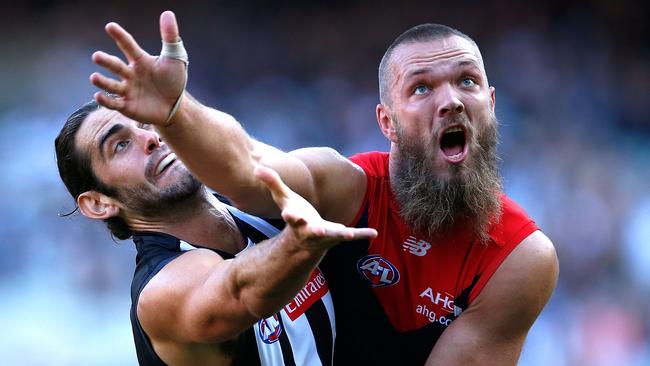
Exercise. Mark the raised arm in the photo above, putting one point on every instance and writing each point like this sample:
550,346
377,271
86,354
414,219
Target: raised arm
201,298
212,144
493,329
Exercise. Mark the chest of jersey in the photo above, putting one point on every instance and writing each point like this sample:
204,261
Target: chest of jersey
416,280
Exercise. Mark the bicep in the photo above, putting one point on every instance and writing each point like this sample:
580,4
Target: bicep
331,183
339,184
493,329
191,300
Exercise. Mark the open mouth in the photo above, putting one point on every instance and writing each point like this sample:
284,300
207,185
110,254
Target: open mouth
164,164
453,144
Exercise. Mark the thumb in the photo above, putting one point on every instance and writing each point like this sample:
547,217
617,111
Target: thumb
169,27
279,191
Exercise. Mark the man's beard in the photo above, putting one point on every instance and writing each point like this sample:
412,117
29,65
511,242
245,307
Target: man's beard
432,205
170,201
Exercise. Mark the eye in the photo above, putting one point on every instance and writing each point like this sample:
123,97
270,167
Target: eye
468,82
420,89
121,145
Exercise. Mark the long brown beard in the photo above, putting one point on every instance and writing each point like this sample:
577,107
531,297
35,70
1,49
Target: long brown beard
431,205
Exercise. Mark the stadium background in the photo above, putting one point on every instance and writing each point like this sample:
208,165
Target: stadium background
572,95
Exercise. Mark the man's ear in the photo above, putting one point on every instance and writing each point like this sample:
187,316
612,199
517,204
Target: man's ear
386,123
493,97
95,205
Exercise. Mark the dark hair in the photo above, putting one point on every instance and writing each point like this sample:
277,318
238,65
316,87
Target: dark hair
76,170
419,33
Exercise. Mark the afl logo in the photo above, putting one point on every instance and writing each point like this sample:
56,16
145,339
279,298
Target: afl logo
379,271
270,329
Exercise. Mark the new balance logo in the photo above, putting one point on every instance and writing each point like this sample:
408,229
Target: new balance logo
416,247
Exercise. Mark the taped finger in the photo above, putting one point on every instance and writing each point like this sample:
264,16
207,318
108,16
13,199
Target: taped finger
176,51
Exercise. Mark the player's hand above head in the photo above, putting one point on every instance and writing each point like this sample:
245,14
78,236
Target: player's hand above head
303,219
147,87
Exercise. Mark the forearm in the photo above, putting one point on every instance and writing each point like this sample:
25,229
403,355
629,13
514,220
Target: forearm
214,146
199,297
270,274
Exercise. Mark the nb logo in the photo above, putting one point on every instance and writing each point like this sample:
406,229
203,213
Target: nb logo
379,271
416,247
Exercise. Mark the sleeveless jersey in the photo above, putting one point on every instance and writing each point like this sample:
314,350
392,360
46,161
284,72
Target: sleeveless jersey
302,333
395,296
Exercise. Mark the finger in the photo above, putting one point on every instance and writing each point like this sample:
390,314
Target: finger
107,84
169,27
125,42
109,102
111,63
341,232
271,179
360,233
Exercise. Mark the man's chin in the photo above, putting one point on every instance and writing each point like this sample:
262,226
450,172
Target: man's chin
163,200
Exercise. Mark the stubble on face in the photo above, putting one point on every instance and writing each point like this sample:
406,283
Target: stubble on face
433,205
152,201
172,200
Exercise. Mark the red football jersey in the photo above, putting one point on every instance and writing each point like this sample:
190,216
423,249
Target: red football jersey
419,280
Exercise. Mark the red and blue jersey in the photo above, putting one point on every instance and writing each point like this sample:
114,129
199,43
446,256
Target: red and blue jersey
395,295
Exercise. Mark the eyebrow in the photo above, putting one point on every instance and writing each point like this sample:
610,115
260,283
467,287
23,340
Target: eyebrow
416,72
469,63
112,131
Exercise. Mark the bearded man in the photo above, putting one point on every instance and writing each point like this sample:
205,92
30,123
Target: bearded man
458,273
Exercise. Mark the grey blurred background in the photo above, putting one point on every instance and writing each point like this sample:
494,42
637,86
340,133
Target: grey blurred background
572,83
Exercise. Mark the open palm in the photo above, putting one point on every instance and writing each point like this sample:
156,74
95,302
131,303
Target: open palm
307,225
149,86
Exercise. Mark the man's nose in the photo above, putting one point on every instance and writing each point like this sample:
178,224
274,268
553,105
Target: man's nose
151,140
449,102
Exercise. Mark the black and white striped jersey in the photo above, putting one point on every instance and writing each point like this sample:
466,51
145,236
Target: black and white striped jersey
302,333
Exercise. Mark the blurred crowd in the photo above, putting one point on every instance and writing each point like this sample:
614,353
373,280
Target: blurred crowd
573,100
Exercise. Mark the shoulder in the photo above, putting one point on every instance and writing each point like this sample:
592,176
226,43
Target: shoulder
161,301
493,328
339,182
374,163
520,288
514,224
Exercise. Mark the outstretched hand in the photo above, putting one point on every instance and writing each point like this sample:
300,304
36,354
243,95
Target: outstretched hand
308,226
149,86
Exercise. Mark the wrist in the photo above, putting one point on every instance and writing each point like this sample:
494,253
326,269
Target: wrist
172,113
300,247
179,111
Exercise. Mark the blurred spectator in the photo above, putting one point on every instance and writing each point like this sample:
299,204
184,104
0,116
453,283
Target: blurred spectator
572,95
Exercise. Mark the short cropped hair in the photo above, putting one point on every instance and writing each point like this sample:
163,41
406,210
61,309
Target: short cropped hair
419,33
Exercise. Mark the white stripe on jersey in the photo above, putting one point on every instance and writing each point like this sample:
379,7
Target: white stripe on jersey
302,340
329,306
185,246
254,221
299,332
